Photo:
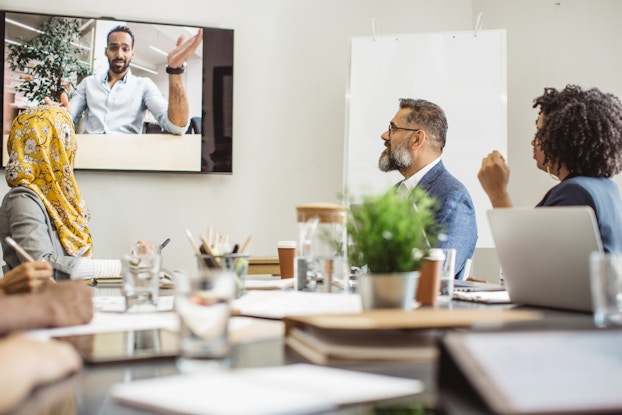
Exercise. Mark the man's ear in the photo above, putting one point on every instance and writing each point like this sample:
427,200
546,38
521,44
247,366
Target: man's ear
416,140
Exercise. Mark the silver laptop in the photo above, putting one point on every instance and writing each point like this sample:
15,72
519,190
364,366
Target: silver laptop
544,254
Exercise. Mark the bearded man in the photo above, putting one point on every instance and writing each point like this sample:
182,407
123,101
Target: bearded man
414,144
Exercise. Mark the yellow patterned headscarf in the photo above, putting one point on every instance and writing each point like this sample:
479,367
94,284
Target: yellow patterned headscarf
42,148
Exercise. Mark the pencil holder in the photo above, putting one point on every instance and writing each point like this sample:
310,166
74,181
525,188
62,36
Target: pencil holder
238,263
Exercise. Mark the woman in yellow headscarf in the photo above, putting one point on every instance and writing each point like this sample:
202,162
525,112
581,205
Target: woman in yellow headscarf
44,211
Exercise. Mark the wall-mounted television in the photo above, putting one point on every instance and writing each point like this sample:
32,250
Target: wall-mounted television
206,146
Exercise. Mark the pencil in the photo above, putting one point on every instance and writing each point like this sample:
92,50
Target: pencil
194,245
248,240
211,262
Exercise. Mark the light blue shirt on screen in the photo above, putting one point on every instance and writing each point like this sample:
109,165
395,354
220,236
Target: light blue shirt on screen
120,109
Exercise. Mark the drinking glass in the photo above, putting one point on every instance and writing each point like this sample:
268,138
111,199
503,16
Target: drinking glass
606,286
141,281
202,302
448,272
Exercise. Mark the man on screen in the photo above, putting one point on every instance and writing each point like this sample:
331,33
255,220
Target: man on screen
414,143
117,100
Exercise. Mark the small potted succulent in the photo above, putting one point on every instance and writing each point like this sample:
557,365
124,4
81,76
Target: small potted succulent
390,236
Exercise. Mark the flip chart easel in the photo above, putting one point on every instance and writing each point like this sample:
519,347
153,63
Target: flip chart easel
463,72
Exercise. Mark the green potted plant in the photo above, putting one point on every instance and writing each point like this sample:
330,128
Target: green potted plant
390,236
50,61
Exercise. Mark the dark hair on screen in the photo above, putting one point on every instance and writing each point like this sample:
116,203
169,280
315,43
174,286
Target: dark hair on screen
581,129
123,29
429,116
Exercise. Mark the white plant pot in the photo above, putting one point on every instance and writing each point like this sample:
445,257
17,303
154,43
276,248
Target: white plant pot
393,290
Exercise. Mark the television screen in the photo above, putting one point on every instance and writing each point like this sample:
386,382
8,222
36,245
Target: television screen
34,44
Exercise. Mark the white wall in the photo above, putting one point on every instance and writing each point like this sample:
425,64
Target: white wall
290,69
291,64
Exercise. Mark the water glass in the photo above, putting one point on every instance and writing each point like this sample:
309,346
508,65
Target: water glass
141,281
202,302
606,285
146,247
448,272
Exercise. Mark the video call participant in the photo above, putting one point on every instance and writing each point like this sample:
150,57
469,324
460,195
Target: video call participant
44,211
414,144
578,141
117,100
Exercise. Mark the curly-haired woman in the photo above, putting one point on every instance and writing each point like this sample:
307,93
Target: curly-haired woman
579,141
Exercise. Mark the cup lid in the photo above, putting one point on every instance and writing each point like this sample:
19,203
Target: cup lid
326,212
436,254
286,244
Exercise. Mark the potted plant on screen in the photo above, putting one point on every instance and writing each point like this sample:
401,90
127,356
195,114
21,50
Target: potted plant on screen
390,235
51,62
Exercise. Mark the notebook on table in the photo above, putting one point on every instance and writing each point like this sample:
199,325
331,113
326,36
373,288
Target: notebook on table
545,254
471,286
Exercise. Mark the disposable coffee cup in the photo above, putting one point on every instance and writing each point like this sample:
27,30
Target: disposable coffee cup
287,255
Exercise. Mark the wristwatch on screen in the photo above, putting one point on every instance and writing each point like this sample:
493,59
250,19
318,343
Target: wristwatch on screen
176,71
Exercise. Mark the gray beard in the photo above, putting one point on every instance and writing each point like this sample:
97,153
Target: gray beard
395,160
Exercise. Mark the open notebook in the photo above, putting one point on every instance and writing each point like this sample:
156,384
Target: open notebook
545,254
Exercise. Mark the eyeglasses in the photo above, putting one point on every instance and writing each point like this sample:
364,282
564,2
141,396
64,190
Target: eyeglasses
392,128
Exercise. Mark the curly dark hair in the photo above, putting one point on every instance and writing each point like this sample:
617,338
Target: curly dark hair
582,130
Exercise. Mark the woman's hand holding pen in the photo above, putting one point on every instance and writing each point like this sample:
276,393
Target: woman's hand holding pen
27,277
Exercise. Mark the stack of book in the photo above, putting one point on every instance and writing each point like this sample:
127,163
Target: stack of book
391,335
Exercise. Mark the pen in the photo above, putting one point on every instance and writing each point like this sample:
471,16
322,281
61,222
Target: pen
165,243
23,252
19,249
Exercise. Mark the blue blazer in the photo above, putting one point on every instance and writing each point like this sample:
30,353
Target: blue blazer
456,213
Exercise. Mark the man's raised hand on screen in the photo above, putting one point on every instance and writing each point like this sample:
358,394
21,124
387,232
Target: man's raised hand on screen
184,49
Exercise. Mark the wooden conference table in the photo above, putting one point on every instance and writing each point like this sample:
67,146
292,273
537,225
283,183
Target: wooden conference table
87,392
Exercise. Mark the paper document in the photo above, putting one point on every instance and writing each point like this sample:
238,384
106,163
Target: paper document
106,322
116,303
293,389
269,284
278,304
486,297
